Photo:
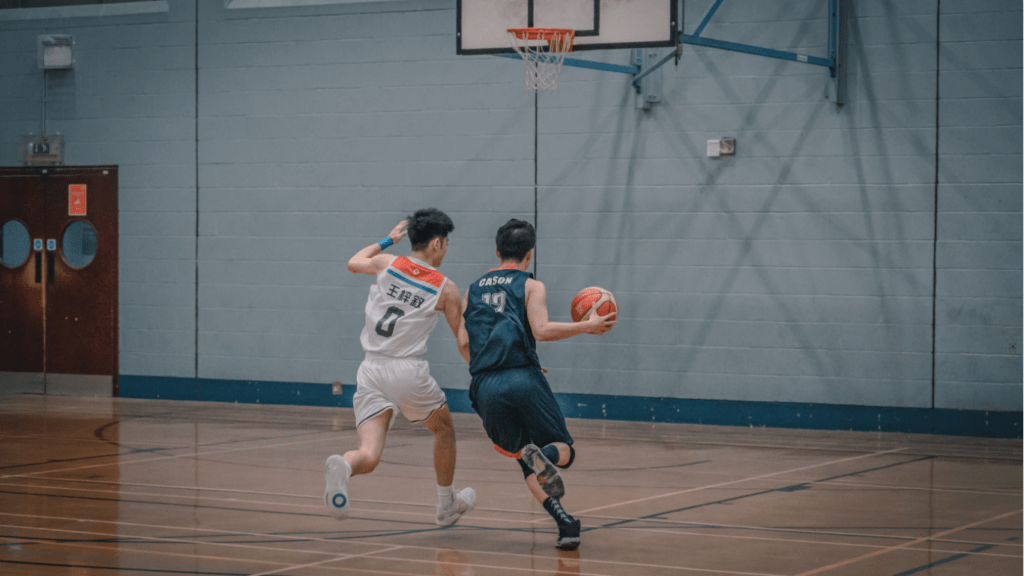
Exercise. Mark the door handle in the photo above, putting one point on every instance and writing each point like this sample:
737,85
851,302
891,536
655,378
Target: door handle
49,268
39,267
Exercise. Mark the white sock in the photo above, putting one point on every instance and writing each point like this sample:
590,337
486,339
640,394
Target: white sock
446,495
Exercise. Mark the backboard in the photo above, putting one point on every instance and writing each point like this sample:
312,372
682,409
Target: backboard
599,24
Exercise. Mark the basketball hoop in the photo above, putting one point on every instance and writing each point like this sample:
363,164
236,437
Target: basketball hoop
542,65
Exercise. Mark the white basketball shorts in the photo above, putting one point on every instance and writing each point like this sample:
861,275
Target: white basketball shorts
401,384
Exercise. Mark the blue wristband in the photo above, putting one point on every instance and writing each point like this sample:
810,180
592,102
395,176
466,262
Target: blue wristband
385,242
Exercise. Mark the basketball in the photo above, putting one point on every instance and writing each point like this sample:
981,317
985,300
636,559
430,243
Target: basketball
590,297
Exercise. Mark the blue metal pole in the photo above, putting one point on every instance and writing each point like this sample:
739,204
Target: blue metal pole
707,17
757,50
588,64
833,27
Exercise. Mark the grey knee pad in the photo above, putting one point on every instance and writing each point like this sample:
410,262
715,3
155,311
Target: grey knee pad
526,469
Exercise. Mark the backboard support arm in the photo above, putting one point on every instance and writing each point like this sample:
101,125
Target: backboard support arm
833,61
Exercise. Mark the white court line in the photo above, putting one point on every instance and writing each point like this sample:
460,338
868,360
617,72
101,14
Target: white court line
126,546
192,529
905,544
828,542
740,481
120,462
329,560
477,519
137,539
679,524
503,567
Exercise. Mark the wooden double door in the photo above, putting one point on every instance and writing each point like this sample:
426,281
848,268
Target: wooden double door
58,280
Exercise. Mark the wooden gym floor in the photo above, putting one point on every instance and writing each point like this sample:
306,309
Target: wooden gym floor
103,486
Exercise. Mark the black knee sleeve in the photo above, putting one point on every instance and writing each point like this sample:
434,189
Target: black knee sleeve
572,456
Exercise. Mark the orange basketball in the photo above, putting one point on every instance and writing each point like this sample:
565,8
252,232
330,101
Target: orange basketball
592,297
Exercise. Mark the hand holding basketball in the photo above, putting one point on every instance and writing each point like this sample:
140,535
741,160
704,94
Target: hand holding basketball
596,306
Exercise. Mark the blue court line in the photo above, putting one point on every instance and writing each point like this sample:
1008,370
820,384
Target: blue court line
120,568
945,560
977,423
791,488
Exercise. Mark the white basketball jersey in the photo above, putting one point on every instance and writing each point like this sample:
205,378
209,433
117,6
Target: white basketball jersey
400,310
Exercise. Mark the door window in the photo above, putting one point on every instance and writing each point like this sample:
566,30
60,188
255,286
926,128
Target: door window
79,244
15,244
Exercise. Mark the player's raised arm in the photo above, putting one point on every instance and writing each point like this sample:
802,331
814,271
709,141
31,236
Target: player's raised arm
546,331
369,260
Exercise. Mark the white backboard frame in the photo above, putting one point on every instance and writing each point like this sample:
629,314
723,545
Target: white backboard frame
599,24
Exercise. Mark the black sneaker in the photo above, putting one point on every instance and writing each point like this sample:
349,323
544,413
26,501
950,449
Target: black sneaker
547,475
568,536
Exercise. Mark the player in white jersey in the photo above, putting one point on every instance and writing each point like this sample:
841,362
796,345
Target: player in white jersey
401,311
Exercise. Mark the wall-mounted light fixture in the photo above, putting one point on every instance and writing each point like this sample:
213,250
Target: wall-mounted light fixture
55,52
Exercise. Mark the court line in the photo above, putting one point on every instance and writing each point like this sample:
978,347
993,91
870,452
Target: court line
906,544
329,560
140,539
214,531
119,548
155,499
741,480
669,525
478,519
118,462
677,523
944,561
921,488
826,542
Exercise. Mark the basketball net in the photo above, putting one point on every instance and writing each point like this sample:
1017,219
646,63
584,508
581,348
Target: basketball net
542,65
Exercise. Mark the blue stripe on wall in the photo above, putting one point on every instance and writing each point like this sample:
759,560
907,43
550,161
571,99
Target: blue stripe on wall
603,407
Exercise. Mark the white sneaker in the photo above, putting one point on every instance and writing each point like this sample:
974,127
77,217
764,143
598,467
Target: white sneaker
337,472
465,500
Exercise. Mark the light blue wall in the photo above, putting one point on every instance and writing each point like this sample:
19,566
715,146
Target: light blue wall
800,270
978,262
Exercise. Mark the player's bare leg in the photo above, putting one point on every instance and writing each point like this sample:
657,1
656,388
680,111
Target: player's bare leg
440,423
372,435
339,469
452,503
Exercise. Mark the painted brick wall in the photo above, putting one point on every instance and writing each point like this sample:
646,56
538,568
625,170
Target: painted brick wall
800,270
978,304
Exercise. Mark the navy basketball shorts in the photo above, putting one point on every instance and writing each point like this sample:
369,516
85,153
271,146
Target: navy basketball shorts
518,408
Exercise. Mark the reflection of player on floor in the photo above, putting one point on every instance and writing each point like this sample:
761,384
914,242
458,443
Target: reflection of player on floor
506,313
401,311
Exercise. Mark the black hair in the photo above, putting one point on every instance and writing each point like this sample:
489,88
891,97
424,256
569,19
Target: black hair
427,224
515,239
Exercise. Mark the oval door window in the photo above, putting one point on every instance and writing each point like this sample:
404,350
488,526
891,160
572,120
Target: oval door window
15,244
79,244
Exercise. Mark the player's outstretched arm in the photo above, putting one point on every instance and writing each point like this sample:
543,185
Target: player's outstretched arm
369,260
545,330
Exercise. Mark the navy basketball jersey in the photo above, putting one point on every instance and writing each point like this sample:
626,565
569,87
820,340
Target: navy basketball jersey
496,320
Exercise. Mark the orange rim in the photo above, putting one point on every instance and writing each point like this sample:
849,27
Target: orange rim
548,34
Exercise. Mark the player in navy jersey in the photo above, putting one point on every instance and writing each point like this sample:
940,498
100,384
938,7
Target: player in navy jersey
401,311
506,312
